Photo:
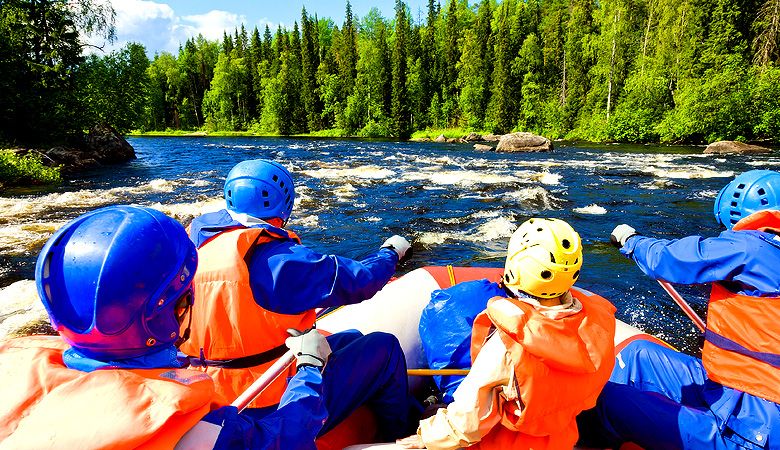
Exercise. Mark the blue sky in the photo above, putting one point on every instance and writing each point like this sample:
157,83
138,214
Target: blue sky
162,25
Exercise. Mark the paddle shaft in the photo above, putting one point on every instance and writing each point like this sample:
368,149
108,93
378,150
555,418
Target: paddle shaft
263,381
683,304
429,372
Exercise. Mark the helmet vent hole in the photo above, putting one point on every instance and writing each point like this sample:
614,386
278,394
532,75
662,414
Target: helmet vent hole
741,186
230,193
764,202
736,195
761,191
735,213
576,274
281,184
265,193
539,229
733,204
565,243
552,257
506,277
266,204
546,274
230,202
275,178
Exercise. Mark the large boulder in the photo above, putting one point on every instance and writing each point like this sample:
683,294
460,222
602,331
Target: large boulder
734,147
491,137
472,137
440,138
108,146
103,145
523,142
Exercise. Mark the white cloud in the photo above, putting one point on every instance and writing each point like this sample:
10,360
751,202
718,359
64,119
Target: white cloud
212,24
159,28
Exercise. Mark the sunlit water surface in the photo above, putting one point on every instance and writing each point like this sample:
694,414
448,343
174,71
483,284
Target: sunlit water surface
458,205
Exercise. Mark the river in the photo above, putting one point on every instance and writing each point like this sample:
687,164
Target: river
458,205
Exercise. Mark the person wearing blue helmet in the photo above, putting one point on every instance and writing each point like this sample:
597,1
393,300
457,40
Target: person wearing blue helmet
256,280
662,399
117,286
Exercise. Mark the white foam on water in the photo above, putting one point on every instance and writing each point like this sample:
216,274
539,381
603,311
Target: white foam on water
657,184
690,172
185,212
310,221
497,229
30,208
548,178
591,209
370,219
460,177
369,172
706,194
764,164
534,196
19,305
345,192
26,239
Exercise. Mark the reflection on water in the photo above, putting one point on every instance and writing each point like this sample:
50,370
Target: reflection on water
458,204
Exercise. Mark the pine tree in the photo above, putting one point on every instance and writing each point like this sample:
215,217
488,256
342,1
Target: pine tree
400,103
310,61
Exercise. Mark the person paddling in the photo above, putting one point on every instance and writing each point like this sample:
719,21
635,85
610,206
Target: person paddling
541,351
256,280
729,399
117,284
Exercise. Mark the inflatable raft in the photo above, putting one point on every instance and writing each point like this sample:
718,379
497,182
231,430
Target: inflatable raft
396,309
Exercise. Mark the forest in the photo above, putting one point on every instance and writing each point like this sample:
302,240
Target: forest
672,71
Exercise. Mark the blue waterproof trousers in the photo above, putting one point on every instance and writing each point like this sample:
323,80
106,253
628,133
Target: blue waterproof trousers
365,370
661,399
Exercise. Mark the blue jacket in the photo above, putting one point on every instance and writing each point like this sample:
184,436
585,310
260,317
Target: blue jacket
295,424
745,261
289,278
445,328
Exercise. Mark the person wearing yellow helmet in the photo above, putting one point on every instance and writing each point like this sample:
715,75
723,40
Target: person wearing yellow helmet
528,324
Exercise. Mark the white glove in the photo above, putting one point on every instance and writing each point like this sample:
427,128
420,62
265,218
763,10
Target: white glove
310,348
399,244
620,235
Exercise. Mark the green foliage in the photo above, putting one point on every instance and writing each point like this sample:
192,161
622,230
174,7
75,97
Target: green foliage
625,70
25,170
40,48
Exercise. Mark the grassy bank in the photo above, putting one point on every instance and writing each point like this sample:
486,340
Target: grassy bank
25,170
449,133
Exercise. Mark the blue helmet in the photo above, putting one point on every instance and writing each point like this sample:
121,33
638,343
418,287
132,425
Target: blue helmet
113,281
751,191
260,188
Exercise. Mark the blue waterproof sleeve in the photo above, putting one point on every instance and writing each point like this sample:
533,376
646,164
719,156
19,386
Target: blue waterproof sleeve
747,259
289,278
295,424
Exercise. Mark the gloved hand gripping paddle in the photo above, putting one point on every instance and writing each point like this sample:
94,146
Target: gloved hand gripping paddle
310,348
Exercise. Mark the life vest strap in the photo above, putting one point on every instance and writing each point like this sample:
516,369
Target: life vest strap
243,362
725,343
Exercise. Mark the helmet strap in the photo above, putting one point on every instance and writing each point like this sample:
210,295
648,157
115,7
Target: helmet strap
186,334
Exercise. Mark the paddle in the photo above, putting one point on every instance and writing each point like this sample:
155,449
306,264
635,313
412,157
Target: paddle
428,372
683,304
270,375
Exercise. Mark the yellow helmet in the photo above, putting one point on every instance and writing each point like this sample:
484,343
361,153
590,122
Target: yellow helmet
543,258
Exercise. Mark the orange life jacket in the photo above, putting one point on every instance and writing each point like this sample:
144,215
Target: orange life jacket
742,339
47,405
560,366
238,339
